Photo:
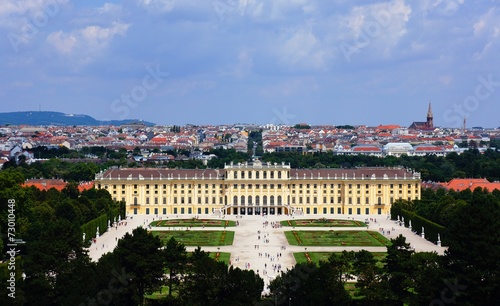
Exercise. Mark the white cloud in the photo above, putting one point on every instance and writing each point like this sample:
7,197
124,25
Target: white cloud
243,66
158,5
63,43
487,29
14,12
302,49
378,26
89,40
108,8
488,24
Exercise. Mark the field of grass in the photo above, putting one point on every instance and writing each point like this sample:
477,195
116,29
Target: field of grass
316,257
323,223
223,256
336,238
193,223
198,238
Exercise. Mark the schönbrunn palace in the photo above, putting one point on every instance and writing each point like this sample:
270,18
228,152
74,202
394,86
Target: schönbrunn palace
260,188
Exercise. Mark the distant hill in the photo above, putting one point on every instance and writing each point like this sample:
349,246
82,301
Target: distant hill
56,118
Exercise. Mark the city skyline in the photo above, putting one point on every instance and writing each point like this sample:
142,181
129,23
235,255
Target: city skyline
251,61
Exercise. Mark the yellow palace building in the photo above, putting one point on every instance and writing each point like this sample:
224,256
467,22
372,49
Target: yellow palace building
260,188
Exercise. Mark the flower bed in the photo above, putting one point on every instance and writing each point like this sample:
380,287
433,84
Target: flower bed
323,222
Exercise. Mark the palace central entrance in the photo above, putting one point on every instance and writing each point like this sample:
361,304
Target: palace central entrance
257,210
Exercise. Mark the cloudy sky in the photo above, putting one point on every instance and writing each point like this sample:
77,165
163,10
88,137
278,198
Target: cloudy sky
254,61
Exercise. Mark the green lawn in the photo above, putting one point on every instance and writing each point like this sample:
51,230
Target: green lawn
197,238
323,223
316,257
193,223
158,294
336,238
223,257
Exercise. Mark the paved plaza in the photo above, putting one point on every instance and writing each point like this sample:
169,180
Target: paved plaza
271,251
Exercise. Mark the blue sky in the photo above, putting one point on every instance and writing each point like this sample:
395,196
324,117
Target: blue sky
254,61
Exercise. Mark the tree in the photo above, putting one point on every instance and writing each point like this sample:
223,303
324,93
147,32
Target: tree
203,281
474,249
76,283
53,245
427,277
340,265
242,287
398,268
369,277
299,286
175,257
140,255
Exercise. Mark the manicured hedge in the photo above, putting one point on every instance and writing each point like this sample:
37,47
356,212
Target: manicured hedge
431,229
90,228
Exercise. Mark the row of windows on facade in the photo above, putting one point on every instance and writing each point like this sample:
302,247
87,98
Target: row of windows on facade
271,186
257,186
307,212
242,200
249,174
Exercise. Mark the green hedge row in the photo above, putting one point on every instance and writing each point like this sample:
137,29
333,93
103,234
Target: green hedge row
90,228
417,222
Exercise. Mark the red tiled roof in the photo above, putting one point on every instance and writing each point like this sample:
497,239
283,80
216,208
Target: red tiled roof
462,184
428,148
408,136
46,184
366,149
384,134
388,127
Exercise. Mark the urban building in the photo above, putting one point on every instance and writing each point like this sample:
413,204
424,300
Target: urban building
259,188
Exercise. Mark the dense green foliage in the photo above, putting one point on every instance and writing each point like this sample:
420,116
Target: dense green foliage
302,126
56,168
255,142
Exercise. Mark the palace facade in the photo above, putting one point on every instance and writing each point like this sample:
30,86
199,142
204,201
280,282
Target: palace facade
260,188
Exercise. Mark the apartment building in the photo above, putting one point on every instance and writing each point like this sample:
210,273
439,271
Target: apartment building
259,188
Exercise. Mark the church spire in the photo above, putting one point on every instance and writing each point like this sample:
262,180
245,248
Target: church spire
430,117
